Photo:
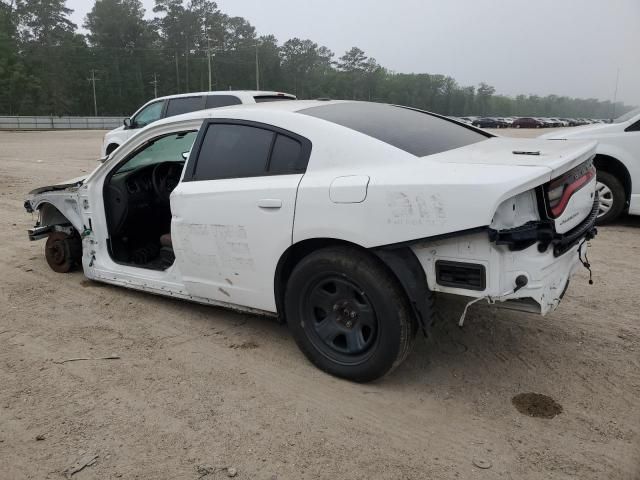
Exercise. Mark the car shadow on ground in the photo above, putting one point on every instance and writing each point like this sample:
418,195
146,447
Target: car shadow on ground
495,345
627,221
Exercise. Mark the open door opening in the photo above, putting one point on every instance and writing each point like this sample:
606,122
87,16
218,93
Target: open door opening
136,199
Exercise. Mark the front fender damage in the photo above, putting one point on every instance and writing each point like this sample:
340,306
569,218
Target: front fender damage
58,210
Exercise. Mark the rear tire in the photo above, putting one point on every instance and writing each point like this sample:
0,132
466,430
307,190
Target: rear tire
348,314
612,197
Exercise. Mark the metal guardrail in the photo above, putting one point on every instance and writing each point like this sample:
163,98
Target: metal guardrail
59,123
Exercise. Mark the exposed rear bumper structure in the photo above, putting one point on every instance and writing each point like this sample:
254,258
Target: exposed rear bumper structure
544,234
527,268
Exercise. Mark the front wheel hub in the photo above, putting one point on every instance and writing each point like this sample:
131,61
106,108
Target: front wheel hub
62,251
343,324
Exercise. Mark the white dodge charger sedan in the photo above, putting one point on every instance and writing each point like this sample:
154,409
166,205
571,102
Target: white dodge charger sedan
342,218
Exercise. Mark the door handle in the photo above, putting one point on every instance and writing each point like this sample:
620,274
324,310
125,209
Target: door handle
270,203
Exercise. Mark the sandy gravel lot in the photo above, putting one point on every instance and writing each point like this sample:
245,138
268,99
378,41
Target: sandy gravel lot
198,390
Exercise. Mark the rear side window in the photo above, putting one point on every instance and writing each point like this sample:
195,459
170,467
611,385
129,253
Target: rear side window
271,98
413,131
287,156
178,106
233,151
215,101
246,149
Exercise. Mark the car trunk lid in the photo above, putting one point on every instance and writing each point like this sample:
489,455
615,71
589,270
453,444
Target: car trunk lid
557,155
570,189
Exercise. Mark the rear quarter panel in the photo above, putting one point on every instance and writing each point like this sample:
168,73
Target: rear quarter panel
407,198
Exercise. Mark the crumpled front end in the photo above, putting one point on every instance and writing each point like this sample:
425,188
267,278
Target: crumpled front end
57,207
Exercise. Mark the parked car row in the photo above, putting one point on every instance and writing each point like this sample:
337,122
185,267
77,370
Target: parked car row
527,122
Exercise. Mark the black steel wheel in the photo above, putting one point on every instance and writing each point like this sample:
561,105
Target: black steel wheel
348,314
342,323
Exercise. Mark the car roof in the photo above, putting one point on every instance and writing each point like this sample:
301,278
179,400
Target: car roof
252,93
337,117
291,106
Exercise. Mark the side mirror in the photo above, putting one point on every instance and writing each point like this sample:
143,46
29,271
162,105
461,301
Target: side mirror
127,123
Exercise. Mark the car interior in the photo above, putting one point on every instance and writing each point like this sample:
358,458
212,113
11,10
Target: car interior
136,200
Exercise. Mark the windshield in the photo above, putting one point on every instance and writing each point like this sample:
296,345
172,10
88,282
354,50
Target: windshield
170,148
148,114
627,116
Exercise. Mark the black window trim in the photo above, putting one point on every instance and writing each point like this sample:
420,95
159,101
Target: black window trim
192,161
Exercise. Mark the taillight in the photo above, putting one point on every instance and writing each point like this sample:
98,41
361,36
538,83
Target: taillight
561,189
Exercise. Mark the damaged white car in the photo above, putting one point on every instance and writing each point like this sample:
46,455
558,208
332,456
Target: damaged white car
341,218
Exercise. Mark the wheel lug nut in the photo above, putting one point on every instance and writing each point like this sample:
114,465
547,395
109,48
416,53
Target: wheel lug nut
352,314
349,324
335,307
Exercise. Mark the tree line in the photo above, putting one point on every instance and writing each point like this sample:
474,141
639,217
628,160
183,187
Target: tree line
47,65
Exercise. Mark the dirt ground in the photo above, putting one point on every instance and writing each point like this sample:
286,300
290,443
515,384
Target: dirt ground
200,391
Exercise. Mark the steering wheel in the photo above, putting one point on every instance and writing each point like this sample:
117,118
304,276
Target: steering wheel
164,178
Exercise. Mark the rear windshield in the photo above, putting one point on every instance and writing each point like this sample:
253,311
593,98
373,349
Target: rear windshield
413,131
271,98
627,116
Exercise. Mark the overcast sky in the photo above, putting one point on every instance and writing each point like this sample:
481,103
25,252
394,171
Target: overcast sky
566,47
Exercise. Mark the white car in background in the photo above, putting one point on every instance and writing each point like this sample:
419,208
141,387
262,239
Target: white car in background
341,218
617,162
172,105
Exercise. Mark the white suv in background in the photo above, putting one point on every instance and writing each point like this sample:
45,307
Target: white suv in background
617,160
172,105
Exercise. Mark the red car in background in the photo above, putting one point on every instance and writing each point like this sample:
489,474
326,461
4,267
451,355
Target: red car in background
527,122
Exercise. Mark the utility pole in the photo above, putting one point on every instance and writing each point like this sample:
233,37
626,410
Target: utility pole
209,59
615,94
93,80
257,70
177,74
155,85
186,66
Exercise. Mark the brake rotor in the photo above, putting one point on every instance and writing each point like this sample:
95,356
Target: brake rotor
58,252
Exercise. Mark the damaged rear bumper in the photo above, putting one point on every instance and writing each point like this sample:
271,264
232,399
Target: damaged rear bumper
543,233
526,268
